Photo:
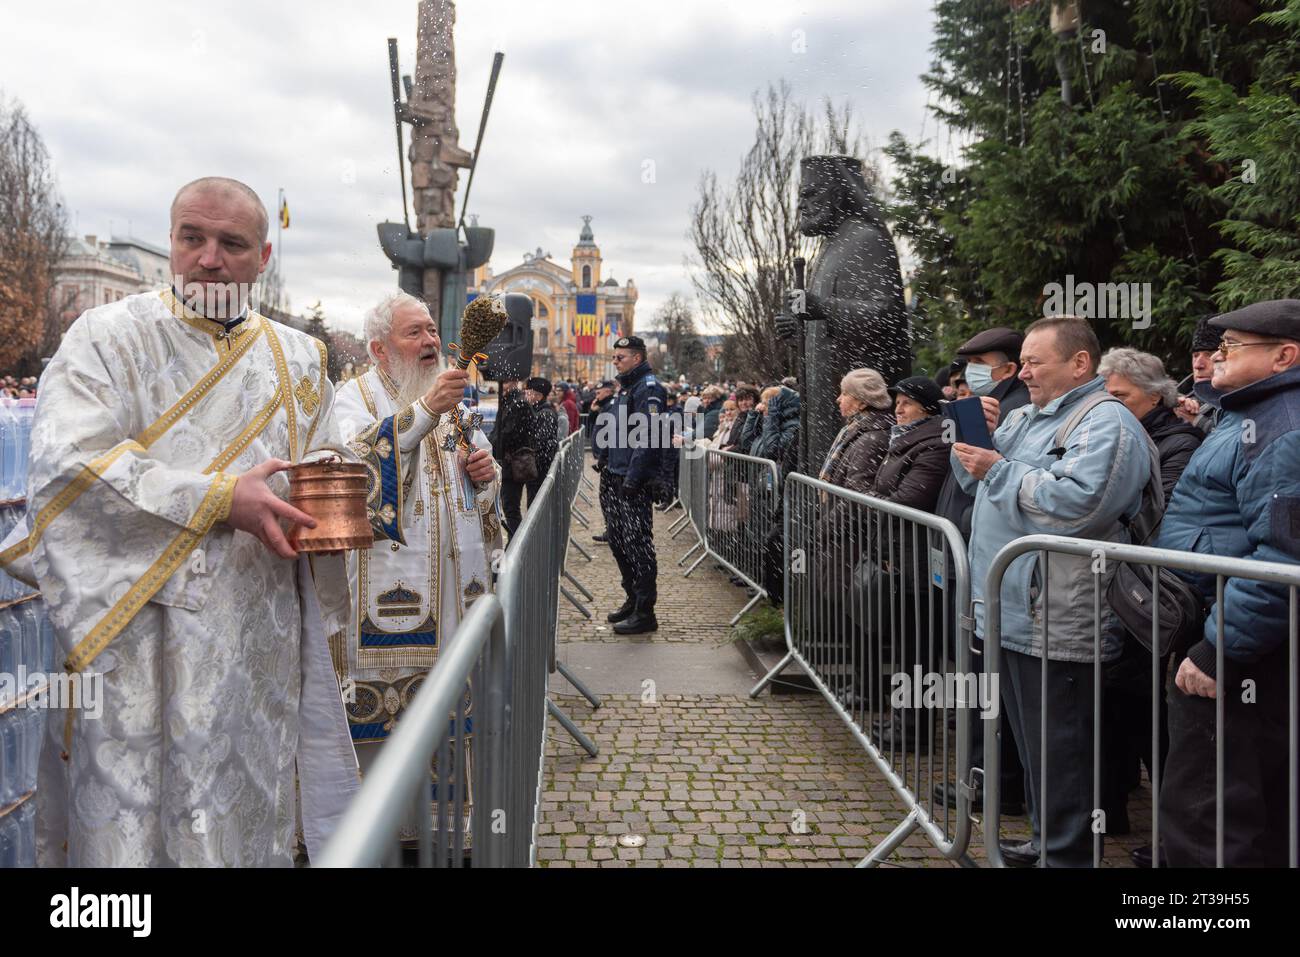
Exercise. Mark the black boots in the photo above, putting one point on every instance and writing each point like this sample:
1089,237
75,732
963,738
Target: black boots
638,623
623,611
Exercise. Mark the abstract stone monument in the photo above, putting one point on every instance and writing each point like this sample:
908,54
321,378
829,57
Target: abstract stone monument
433,260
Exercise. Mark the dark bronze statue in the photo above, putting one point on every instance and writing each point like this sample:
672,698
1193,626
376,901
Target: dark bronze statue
852,310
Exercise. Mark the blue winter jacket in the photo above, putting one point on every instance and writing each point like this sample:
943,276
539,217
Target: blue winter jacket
780,426
1240,497
1085,493
632,434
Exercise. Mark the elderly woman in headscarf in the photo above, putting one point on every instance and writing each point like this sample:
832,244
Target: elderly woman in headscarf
837,540
861,444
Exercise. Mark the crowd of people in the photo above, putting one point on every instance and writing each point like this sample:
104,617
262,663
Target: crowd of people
12,387
1060,439
1103,447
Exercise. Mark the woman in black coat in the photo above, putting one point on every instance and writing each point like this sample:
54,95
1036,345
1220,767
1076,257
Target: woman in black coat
523,422
916,459
912,474
1138,380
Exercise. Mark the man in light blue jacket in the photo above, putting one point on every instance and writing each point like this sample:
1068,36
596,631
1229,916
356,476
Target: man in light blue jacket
1087,483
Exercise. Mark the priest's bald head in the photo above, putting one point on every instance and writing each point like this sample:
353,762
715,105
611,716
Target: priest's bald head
218,245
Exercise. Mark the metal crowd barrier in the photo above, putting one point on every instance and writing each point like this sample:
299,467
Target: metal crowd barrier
399,783
506,646
876,600
736,503
692,490
1104,557
683,499
536,563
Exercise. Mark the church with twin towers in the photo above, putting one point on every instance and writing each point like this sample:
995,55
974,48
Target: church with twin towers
578,309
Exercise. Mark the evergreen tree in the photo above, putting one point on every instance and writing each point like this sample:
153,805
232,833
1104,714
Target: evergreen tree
1102,153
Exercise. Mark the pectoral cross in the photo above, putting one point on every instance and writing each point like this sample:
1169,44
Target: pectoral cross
463,429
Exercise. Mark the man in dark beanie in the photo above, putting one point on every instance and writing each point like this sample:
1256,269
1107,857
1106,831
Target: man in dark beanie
540,386
1201,408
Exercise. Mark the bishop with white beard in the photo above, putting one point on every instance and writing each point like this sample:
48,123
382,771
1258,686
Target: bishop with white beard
409,595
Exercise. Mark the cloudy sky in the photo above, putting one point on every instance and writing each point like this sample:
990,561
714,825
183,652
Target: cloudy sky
137,97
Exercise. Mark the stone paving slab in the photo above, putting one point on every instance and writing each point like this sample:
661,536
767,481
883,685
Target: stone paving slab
654,668
691,770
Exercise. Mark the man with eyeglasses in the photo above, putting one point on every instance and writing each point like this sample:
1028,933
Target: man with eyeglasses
1238,497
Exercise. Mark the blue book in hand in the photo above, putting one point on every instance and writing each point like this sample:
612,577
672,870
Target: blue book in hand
968,417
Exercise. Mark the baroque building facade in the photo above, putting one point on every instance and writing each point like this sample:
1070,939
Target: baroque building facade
94,272
578,312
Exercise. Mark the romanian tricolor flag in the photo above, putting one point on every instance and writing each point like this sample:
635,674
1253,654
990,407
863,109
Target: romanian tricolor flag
284,213
585,327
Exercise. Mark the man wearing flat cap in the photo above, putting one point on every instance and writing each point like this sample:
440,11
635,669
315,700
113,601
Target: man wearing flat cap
631,460
1238,497
992,368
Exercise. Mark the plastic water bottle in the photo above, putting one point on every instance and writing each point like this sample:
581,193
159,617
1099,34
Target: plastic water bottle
8,449
9,834
47,640
30,629
11,644
25,413
25,823
8,519
9,731
32,720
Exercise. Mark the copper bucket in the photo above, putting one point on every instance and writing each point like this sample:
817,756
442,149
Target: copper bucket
334,493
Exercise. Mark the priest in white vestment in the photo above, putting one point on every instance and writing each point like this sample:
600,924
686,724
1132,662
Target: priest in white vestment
153,529
408,597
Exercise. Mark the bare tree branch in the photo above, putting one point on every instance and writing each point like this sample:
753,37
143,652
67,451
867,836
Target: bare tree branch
33,238
746,234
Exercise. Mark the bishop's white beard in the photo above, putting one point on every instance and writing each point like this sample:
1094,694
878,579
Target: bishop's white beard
413,380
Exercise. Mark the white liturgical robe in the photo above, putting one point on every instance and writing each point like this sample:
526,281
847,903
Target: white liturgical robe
217,685
408,597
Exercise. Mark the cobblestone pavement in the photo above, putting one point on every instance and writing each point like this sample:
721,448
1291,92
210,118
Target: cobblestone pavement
718,780
689,609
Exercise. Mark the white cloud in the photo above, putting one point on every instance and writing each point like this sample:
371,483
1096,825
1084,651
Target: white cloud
136,98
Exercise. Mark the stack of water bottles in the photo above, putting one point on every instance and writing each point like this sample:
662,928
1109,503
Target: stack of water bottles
26,649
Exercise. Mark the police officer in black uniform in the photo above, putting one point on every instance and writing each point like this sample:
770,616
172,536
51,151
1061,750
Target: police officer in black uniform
630,461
